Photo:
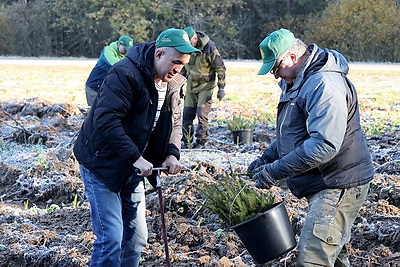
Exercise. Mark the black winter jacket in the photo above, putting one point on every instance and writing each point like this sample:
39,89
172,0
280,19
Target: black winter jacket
118,128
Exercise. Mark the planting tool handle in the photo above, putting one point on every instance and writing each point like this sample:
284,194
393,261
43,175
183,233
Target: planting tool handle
158,170
161,203
158,181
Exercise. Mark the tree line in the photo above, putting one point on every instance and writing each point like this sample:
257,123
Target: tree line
363,30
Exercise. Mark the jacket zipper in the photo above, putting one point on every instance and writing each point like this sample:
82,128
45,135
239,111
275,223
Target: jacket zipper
284,118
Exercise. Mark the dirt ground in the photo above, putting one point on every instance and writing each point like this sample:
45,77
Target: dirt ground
45,220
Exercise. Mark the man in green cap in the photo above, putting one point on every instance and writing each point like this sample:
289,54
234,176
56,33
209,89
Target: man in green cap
320,148
133,125
202,73
110,55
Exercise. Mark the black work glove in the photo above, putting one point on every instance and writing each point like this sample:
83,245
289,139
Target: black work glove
220,94
263,178
254,165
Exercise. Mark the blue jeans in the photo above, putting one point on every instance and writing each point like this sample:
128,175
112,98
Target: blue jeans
118,221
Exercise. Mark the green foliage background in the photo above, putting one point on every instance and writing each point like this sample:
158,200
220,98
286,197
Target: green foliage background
363,30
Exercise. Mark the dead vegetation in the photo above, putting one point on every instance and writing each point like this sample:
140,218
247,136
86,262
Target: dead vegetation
45,220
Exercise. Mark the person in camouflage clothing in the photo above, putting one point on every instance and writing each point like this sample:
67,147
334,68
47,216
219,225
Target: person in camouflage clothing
202,73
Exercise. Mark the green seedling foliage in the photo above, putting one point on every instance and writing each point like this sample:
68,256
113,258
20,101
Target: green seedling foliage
75,202
4,146
218,233
53,208
240,123
200,222
26,205
234,201
41,160
189,138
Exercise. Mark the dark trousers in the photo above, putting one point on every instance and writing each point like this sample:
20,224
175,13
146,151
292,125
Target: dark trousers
202,131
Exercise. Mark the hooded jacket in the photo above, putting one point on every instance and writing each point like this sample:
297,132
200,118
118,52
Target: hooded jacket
203,68
119,127
108,57
320,143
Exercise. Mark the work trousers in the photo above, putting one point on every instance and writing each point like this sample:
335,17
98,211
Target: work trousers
196,104
327,228
91,95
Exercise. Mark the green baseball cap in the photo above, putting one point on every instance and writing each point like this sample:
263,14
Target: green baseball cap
273,46
177,39
126,42
189,31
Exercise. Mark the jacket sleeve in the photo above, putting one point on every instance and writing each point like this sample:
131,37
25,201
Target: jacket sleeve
174,144
326,107
219,68
113,104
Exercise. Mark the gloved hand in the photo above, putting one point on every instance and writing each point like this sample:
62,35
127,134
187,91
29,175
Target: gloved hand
205,79
254,165
220,94
263,178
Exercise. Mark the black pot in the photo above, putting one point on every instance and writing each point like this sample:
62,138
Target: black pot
242,137
267,236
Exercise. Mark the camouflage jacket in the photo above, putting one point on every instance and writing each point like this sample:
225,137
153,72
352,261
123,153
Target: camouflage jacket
204,68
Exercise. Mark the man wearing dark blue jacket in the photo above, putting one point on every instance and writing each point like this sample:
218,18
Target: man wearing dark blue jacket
135,122
320,148
110,55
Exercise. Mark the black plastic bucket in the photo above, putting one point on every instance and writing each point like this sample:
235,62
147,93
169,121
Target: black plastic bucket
267,236
242,137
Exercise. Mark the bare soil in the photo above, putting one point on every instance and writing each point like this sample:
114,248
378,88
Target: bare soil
45,220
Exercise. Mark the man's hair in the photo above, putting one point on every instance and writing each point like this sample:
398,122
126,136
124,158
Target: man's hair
298,48
168,51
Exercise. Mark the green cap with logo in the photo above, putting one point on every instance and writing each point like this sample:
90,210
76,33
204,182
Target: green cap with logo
273,46
190,32
177,39
126,42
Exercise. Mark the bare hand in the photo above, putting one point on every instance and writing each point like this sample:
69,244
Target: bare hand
145,167
174,166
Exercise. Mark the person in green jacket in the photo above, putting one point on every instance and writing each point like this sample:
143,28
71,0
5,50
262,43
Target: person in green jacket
204,71
110,55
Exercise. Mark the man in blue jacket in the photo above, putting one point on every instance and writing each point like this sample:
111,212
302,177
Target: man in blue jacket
320,148
135,122
110,55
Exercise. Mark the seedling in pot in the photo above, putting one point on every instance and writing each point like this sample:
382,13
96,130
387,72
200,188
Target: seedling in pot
234,201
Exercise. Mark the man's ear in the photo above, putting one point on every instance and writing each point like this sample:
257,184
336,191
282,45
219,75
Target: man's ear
293,57
159,53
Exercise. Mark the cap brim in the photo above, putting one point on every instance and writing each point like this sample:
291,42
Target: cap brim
187,49
266,67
